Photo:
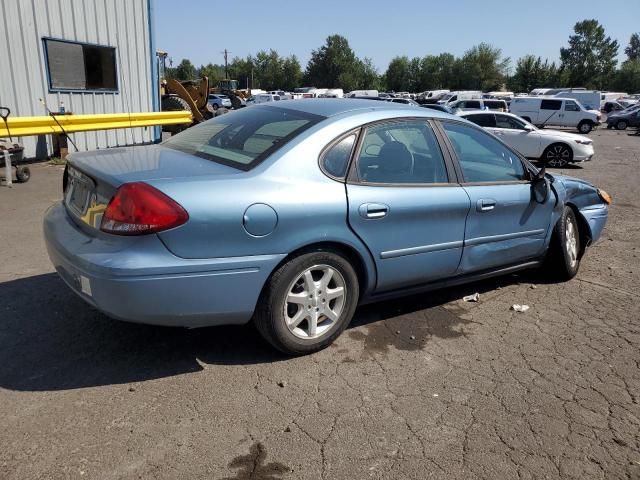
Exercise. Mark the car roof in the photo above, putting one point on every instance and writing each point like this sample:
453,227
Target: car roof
329,107
475,112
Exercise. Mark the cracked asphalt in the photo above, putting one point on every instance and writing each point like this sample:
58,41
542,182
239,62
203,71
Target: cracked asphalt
423,387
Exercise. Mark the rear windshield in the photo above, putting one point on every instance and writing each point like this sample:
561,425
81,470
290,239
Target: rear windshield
243,138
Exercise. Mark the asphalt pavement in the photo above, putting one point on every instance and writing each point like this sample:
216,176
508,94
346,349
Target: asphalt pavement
424,387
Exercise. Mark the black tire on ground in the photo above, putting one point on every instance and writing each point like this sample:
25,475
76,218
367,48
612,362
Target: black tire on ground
172,104
270,313
557,155
563,257
585,126
621,125
215,106
23,174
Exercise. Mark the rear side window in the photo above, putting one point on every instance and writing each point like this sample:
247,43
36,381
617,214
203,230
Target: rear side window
495,104
244,138
472,104
551,104
482,119
481,157
336,159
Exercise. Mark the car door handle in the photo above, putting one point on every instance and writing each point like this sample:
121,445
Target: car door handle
485,204
373,210
497,132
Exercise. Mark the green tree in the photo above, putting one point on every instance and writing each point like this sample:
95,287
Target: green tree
590,59
185,70
367,75
334,65
397,74
291,73
633,49
483,68
628,77
241,69
214,73
531,72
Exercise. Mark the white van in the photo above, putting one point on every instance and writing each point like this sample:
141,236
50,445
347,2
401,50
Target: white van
590,99
460,95
564,112
263,98
362,93
480,104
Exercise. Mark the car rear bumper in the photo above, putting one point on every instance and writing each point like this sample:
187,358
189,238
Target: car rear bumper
137,279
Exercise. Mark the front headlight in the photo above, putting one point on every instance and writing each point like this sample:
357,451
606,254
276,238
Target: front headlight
584,142
606,198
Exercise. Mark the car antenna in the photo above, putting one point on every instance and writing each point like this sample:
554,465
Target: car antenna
53,115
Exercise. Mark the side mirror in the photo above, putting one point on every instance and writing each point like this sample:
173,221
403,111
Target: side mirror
529,128
540,186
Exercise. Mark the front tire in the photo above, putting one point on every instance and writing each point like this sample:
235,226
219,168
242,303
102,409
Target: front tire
557,155
23,174
622,125
307,302
585,127
563,258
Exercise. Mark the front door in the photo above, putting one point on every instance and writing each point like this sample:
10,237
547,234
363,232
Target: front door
505,224
572,114
405,205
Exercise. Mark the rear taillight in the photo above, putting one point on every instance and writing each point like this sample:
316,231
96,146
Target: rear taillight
138,208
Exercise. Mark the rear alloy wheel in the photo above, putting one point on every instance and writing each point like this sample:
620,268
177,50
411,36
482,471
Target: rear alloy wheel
622,125
215,106
557,155
585,127
307,302
563,259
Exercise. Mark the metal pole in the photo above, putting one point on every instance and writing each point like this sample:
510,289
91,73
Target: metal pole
7,168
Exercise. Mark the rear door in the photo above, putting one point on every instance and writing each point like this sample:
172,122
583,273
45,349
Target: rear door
405,203
505,224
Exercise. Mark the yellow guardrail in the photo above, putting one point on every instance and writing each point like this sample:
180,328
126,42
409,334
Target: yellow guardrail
23,126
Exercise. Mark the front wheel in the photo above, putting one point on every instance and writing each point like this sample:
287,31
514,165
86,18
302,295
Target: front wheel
563,258
557,155
23,174
621,125
585,127
308,302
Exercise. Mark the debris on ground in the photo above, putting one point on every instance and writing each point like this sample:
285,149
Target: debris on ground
519,308
533,287
412,337
282,384
472,298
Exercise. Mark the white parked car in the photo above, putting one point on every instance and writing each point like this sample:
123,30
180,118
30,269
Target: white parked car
480,104
561,112
555,148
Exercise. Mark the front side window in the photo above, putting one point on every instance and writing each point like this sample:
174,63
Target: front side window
80,66
481,157
505,121
472,104
401,152
336,159
244,139
571,106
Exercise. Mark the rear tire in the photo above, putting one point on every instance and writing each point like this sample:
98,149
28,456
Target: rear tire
622,125
23,174
585,127
303,309
563,257
557,155
173,104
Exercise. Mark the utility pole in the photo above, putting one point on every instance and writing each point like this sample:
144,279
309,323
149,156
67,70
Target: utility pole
226,64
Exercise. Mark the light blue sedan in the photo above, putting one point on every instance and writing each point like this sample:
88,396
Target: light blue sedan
293,215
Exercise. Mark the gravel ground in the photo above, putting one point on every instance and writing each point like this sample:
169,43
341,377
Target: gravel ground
424,387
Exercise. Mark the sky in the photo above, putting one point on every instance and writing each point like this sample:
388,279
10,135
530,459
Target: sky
201,29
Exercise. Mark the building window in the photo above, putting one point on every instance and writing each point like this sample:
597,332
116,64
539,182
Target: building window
80,66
